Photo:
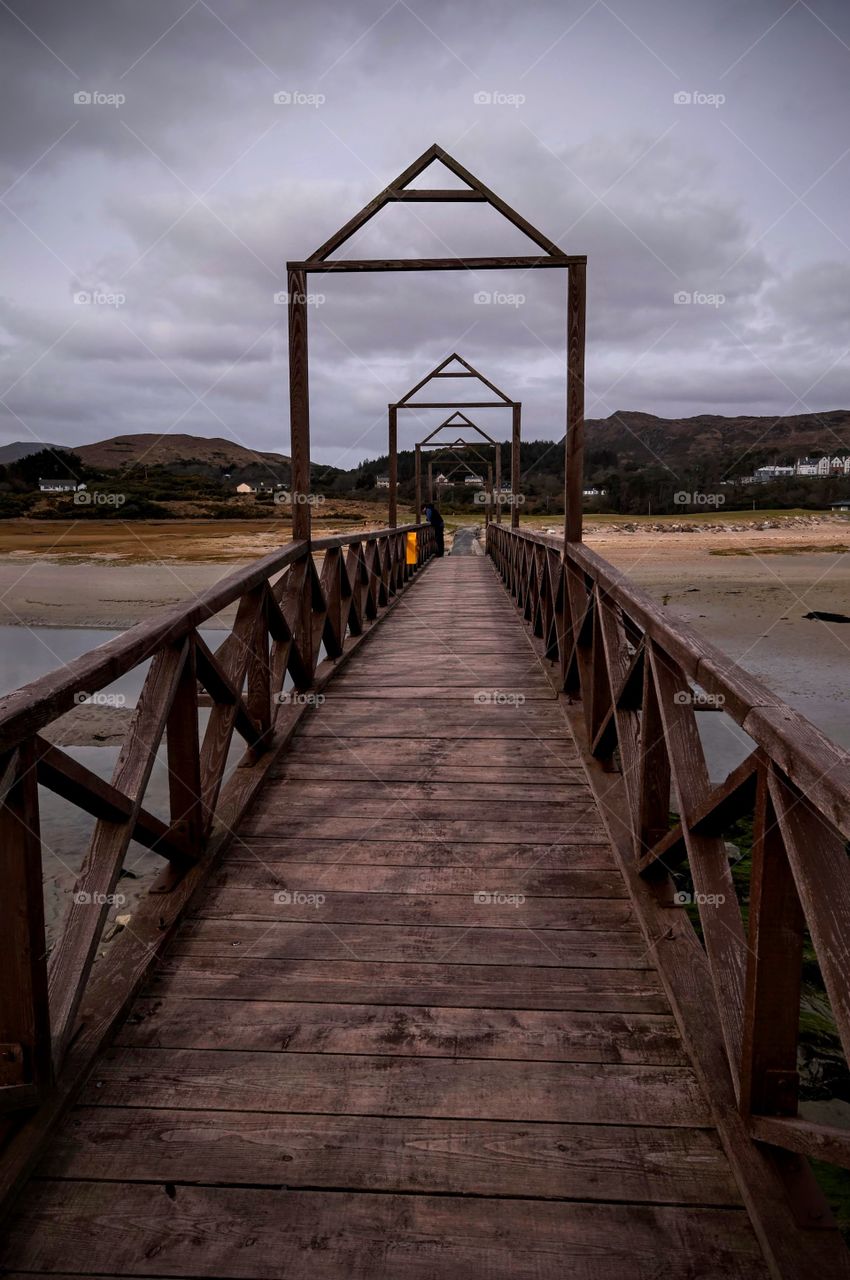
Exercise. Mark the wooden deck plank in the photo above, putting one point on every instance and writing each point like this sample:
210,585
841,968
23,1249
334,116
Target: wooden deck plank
582,949
231,977
467,1157
307,902
404,1030
181,1231
257,871
582,853
383,1084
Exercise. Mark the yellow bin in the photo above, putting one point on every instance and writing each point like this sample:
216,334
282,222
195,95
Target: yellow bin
412,549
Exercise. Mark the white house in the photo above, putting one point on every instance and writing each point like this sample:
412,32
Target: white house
245,488
383,482
474,482
58,486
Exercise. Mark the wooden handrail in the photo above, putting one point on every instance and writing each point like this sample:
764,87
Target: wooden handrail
287,612
632,666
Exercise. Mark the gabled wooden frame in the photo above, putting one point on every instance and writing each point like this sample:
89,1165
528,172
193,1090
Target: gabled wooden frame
461,464
502,400
429,442
322,262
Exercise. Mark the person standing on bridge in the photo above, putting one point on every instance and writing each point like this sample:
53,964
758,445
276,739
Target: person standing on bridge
435,520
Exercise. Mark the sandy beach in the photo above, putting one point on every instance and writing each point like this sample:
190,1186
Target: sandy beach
747,583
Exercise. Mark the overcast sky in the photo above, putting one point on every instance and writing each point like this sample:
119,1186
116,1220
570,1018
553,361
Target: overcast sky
174,197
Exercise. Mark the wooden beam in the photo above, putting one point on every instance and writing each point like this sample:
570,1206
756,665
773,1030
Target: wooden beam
769,1080
518,262
392,516
299,405
516,437
24,1007
417,479
74,954
439,195
574,440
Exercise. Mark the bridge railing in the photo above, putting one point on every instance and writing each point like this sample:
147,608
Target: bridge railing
641,675
294,618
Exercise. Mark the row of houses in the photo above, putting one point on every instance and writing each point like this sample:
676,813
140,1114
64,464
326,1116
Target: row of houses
811,467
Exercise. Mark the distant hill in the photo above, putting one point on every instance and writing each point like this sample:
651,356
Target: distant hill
638,436
10,453
177,452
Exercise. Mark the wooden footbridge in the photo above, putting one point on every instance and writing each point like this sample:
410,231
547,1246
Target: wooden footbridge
415,994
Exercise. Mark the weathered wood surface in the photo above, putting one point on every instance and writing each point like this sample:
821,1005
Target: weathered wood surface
443,1050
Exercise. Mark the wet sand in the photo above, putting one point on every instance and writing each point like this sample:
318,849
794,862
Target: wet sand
746,584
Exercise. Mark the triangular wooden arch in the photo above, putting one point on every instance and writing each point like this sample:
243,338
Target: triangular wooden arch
399,190
465,423
466,372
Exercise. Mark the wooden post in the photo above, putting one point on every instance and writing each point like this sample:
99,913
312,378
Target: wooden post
184,756
574,439
418,483
299,404
392,518
430,481
498,484
25,1049
774,970
515,437
488,506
